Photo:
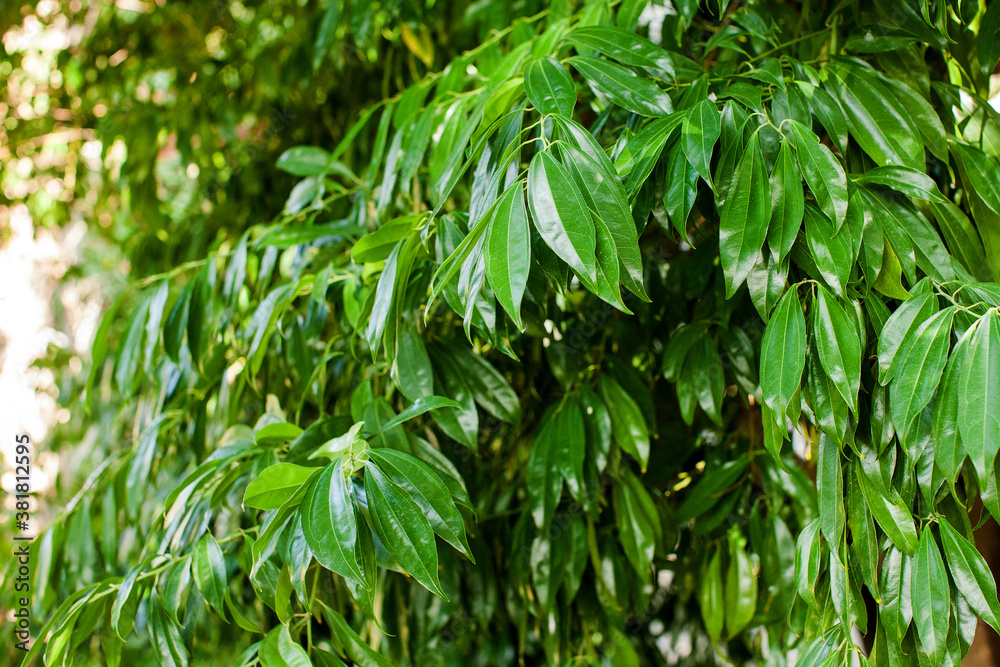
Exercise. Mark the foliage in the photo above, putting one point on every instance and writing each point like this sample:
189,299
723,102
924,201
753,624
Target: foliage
563,302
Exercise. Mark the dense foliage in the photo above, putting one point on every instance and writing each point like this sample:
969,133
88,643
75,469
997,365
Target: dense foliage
628,336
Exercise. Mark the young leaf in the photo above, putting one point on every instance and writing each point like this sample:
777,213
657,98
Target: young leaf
208,566
275,485
741,589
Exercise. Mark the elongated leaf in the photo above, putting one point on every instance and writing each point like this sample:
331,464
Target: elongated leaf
623,86
897,607
550,87
328,522
544,480
822,172
949,452
428,491
979,396
830,487
418,407
208,566
971,574
624,46
699,132
741,589
710,597
787,203
404,530
744,218
888,509
275,485
838,345
126,602
899,328
930,597
638,524
920,372
808,561
783,354
606,198
508,252
627,424
489,387
560,214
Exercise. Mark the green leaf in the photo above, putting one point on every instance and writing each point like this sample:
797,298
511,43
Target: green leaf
428,491
920,372
208,566
889,511
838,345
277,649
275,485
412,368
710,597
275,434
878,122
929,594
704,494
979,395
378,246
304,161
489,387
825,176
708,377
508,252
699,132
404,530
129,359
896,611
744,218
637,521
949,452
550,87
787,203
560,214
899,328
808,554
627,424
624,46
971,574
608,203
988,42
418,407
127,601
623,86
326,34
543,477
336,447
680,190
783,354
328,522
166,637
830,488
741,588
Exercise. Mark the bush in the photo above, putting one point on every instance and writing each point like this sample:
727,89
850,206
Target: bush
627,336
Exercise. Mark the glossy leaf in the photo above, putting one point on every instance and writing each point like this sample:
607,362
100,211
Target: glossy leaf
744,219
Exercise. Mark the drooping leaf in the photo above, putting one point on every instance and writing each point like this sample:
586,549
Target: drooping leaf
744,218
